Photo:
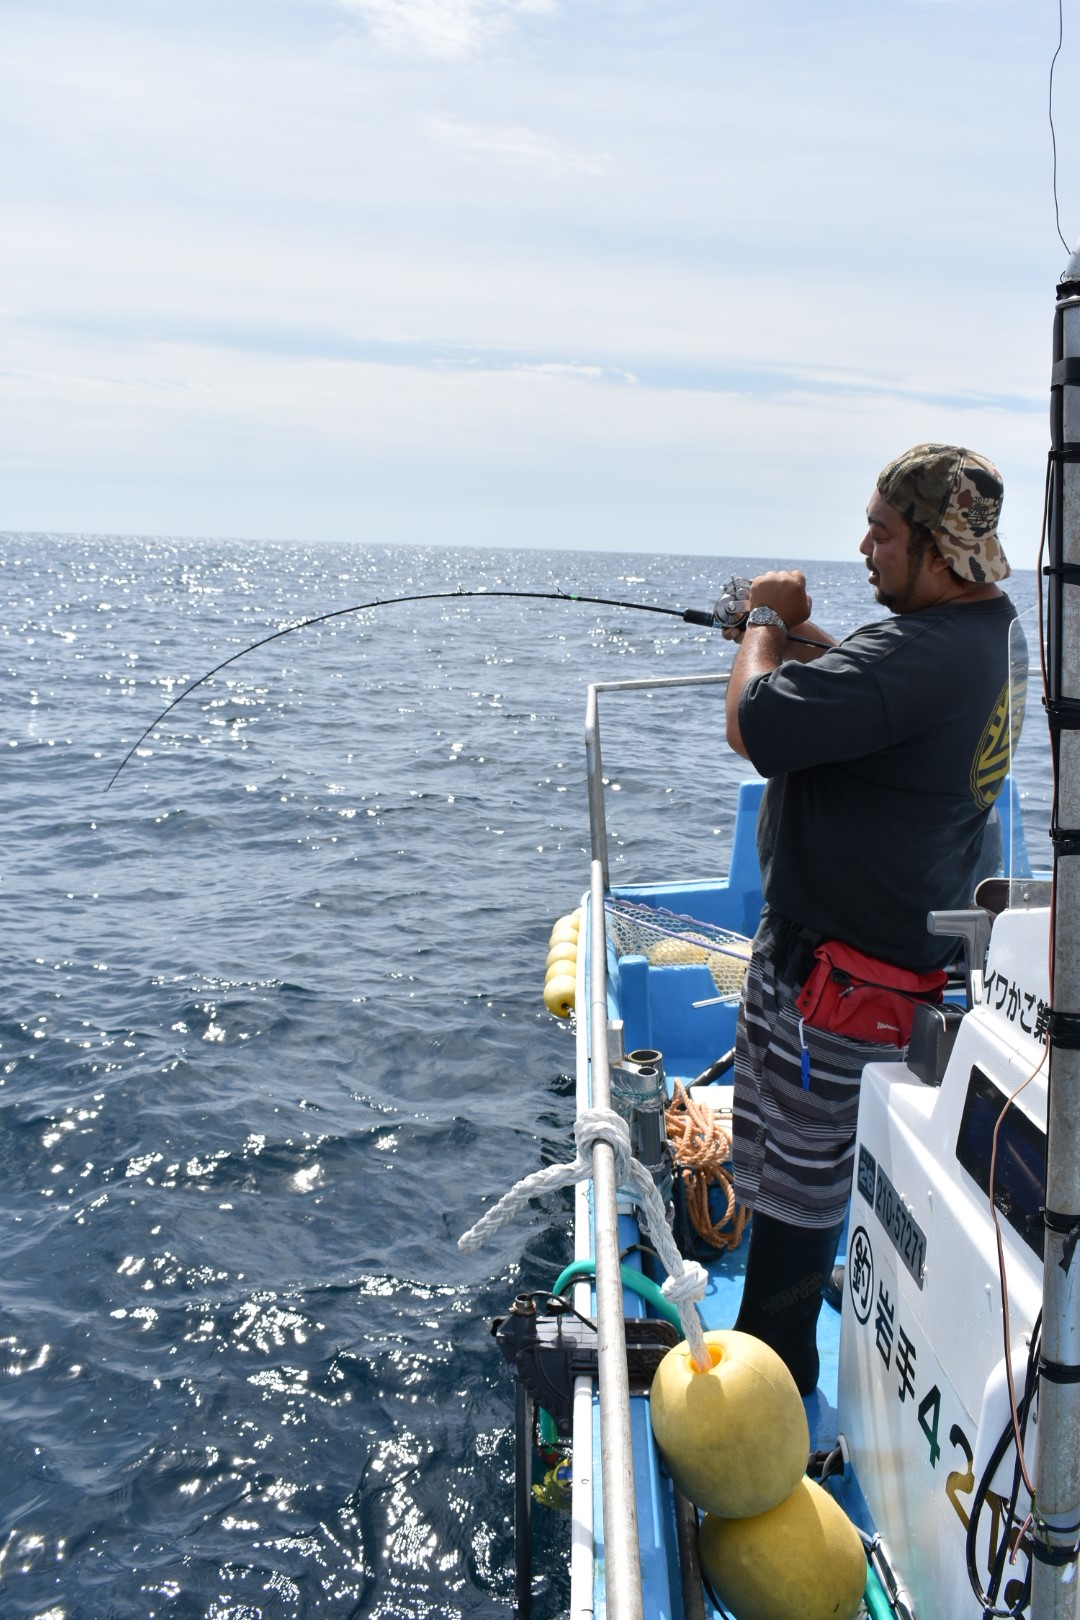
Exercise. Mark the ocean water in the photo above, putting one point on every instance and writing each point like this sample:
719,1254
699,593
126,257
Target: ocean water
272,1038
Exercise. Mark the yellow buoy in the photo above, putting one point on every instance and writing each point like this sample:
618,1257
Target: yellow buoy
559,994
564,951
563,930
802,1560
735,1438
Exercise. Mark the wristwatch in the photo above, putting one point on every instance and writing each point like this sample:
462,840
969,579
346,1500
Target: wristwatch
766,615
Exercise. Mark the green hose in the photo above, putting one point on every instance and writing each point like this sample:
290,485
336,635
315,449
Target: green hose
877,1602
636,1281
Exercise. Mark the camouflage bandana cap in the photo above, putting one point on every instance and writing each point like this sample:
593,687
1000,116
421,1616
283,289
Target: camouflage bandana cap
957,495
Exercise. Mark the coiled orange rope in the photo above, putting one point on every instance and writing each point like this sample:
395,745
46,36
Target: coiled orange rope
702,1149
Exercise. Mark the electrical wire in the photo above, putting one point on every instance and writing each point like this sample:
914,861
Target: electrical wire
1006,1329
988,1597
1015,1431
1053,134
1010,1100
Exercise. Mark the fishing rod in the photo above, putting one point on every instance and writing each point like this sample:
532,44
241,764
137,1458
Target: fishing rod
728,613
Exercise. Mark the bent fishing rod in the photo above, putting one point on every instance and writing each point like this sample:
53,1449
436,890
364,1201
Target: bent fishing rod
729,613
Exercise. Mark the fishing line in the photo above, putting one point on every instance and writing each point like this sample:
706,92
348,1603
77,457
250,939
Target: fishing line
704,616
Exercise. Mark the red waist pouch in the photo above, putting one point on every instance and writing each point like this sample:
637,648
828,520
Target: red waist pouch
862,997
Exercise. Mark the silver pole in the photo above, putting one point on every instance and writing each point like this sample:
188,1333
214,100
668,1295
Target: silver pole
1057,1470
622,1556
621,1553
594,768
594,775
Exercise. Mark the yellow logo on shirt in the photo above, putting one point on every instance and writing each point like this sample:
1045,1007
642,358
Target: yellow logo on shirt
999,739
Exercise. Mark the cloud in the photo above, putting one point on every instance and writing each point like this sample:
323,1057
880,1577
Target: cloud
199,439
519,144
446,28
563,370
278,267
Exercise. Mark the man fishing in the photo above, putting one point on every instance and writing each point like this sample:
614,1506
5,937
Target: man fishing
883,755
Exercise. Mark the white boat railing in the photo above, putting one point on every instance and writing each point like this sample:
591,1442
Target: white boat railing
621,1546
621,1556
593,763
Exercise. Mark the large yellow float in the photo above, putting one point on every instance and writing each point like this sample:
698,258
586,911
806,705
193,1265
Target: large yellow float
735,1438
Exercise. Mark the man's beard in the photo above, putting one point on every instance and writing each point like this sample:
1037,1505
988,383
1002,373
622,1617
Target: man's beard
900,601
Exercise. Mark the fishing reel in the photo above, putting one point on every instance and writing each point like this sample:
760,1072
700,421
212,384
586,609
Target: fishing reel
732,605
731,608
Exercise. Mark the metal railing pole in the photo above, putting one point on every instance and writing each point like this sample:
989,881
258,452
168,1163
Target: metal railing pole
594,767
622,1558
594,776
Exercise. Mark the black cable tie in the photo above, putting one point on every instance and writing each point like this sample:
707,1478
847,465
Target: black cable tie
1066,840
1066,1226
1065,452
1069,572
1066,372
1065,1031
1062,714
1059,1372
1057,1556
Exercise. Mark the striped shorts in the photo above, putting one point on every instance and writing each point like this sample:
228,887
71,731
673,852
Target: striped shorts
794,1145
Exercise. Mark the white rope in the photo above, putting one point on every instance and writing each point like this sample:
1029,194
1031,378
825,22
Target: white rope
686,1281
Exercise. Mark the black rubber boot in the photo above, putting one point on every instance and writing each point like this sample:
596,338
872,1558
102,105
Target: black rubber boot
787,1268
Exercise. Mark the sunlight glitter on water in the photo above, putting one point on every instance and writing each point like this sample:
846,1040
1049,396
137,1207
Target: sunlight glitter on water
273,1009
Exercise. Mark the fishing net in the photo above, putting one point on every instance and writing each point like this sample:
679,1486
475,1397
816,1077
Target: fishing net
663,937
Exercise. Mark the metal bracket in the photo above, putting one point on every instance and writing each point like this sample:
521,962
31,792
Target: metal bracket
973,927
548,1345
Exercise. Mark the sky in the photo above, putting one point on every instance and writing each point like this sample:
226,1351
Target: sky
624,275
